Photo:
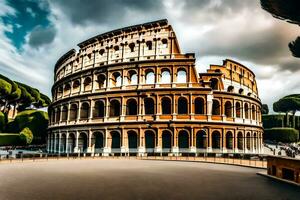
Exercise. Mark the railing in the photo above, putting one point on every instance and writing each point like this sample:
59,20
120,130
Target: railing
249,160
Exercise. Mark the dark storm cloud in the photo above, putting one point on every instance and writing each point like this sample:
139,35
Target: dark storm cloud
41,36
292,65
104,11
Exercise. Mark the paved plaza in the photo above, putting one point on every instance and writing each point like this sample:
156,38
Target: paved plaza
136,179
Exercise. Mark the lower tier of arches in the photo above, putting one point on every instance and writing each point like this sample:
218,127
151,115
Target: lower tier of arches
158,138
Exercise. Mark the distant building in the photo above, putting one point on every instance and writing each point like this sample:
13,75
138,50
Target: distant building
131,90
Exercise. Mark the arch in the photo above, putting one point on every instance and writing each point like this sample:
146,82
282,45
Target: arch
166,139
229,140
164,42
181,76
149,45
99,109
237,109
116,48
84,110
71,142
132,140
216,107
67,89
230,88
253,112
131,47
150,77
166,105
149,106
248,141
241,91
97,141
131,107
201,140
214,83
76,85
216,140
73,112
228,109
63,143
116,80
165,76
199,105
64,115
182,106
57,118
115,108
240,143
149,139
82,142
115,140
101,80
132,77
246,110
101,52
87,84
183,139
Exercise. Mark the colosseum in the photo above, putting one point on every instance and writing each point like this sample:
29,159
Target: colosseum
131,91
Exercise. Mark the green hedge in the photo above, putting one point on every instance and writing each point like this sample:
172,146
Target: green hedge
35,120
9,139
270,121
287,135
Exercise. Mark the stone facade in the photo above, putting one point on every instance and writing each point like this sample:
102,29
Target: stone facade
132,91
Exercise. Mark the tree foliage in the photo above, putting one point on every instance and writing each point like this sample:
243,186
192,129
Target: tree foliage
26,135
20,96
265,109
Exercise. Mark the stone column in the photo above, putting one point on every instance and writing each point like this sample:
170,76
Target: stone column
209,102
236,142
123,109
67,142
209,143
106,149
224,149
141,149
191,106
76,149
92,105
175,148
55,141
107,106
192,141
158,147
89,149
78,112
174,106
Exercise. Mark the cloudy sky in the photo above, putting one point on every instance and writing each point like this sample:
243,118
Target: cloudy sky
34,34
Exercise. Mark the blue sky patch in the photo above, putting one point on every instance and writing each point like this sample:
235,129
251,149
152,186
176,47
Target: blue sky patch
29,15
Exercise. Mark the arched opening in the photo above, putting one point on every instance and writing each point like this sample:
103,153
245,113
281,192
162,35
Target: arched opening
71,142
84,111
228,109
229,140
59,91
216,107
166,140
82,142
98,141
199,106
149,139
201,140
101,52
241,91
116,48
132,140
149,45
116,80
166,105
237,109
132,77
67,89
76,86
150,77
57,115
149,106
216,140
240,144
63,143
99,109
115,108
230,88
165,76
253,110
131,47
183,140
87,84
181,76
248,138
101,80
131,106
73,112
115,140
182,106
64,115
246,110
214,84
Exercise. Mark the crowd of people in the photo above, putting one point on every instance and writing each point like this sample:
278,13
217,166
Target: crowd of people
282,149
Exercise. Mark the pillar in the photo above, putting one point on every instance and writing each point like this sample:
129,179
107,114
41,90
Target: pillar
192,139
76,142
209,102
67,142
89,149
55,141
